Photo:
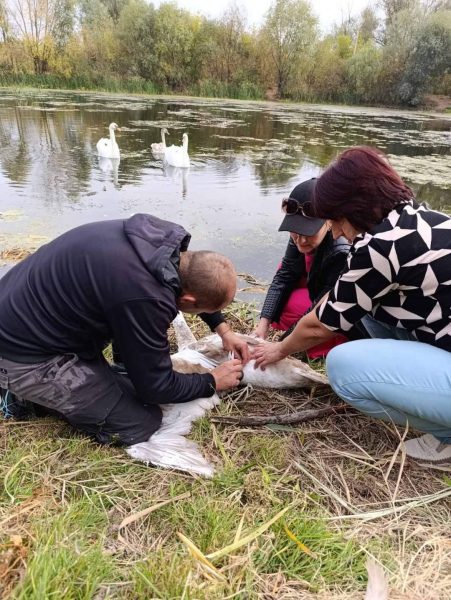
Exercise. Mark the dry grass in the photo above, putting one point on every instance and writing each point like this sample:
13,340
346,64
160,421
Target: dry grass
71,522
15,254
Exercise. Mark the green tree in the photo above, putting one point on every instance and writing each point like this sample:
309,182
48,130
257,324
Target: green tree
114,8
175,35
289,32
326,78
368,24
229,36
4,23
44,27
96,49
392,7
430,57
136,38
363,74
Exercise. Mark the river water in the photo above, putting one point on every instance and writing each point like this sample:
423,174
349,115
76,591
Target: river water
245,157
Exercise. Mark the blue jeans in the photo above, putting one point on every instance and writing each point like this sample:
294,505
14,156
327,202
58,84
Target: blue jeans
395,379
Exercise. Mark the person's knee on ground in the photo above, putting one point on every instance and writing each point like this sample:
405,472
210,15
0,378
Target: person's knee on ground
382,390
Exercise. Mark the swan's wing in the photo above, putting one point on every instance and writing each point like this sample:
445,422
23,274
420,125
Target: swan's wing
168,447
377,581
183,333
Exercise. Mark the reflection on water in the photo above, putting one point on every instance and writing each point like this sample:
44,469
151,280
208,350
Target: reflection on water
177,174
110,165
244,158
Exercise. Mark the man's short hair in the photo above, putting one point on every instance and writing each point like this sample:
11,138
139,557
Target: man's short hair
208,276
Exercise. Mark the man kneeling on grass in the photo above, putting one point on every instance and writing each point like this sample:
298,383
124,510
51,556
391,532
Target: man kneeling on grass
120,280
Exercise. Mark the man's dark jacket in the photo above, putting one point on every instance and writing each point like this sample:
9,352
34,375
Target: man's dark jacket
112,280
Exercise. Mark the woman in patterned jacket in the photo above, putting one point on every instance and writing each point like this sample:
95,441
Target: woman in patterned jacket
398,284
310,268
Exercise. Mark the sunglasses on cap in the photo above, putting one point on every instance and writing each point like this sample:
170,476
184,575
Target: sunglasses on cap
290,206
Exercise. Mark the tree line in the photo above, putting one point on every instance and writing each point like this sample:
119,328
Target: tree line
393,53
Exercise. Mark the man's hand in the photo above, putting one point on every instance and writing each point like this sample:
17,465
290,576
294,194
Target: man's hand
267,353
261,331
233,343
228,375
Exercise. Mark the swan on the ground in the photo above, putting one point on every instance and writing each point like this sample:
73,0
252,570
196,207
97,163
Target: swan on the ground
107,147
177,156
168,447
160,147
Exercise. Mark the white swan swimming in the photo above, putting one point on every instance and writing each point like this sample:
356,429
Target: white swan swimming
177,156
107,147
160,147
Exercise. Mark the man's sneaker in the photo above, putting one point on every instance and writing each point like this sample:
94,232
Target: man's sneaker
12,407
428,449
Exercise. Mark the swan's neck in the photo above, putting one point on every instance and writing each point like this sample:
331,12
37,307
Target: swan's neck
112,136
185,144
163,138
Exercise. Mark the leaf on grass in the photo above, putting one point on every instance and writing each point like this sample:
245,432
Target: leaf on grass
201,558
239,530
250,537
299,544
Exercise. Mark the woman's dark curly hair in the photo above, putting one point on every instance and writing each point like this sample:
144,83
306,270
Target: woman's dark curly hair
361,186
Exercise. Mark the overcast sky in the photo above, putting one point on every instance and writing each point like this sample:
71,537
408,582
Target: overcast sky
328,11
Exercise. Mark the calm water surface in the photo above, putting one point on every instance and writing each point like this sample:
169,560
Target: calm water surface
245,157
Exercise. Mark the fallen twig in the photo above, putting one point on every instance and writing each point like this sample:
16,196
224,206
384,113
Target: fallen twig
296,417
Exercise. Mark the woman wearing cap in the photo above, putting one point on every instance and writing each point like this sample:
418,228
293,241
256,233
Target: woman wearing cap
398,284
312,263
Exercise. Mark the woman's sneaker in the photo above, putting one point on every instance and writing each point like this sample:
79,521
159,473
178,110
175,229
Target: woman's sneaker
12,407
428,449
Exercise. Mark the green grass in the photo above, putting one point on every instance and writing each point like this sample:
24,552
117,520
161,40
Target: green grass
100,82
63,499
136,85
69,497
68,559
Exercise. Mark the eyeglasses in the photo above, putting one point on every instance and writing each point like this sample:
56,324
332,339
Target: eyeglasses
290,206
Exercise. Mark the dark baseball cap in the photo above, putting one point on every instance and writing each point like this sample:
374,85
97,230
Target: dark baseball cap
297,222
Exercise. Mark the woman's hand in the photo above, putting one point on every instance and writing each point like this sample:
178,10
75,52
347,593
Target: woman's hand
233,343
261,331
267,353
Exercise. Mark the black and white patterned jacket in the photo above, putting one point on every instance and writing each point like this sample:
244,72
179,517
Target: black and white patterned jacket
400,273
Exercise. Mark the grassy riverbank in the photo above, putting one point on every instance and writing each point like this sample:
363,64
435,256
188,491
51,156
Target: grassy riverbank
208,89
350,493
212,89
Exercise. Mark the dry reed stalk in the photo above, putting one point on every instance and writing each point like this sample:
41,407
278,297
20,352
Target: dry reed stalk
16,254
143,513
295,417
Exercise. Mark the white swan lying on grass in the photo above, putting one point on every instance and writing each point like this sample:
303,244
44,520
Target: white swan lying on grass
168,447
177,156
108,147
